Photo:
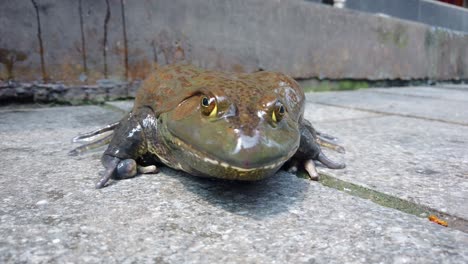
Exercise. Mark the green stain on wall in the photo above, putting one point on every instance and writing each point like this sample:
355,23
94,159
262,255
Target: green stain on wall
398,36
339,85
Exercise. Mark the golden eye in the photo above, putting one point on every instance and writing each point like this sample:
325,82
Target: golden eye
209,106
278,112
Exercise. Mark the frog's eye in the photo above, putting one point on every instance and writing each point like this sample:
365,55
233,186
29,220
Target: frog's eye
209,106
278,112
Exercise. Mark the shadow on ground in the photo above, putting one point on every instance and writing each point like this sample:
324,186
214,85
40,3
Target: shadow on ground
258,200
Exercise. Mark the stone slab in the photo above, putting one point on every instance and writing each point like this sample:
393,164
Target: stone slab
50,211
429,108
422,161
428,92
85,41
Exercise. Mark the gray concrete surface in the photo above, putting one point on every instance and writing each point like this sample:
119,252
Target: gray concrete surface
428,92
85,41
50,211
430,106
413,158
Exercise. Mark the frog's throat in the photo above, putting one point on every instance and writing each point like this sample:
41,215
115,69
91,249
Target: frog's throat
175,143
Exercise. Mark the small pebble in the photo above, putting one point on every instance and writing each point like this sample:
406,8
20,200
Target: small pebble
42,202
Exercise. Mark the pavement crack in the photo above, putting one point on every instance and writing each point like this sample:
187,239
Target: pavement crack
421,96
83,39
155,53
393,202
124,32
104,44
45,78
350,119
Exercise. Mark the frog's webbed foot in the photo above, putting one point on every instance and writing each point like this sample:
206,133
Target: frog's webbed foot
119,169
310,168
309,151
323,139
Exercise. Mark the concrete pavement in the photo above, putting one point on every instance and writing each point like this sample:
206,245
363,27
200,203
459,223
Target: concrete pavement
404,144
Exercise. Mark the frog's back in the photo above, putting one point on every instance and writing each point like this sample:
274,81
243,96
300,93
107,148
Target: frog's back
164,88
170,85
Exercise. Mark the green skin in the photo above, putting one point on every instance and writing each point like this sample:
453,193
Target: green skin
214,124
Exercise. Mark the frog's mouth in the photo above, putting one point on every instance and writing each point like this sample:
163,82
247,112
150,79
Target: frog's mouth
201,163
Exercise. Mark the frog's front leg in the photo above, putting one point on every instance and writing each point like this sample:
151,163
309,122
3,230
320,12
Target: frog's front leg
309,150
127,145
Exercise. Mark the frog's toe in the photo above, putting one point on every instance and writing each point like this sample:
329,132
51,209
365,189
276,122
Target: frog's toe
292,166
293,169
126,169
148,169
117,169
309,166
110,163
330,163
331,144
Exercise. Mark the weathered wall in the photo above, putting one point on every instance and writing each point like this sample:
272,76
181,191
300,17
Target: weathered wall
78,41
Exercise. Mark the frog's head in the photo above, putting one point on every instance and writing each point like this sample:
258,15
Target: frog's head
242,127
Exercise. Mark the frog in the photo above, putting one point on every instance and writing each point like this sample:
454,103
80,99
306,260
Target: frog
208,123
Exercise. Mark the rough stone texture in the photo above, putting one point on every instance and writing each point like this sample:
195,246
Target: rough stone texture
19,35
415,159
50,211
395,103
303,39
